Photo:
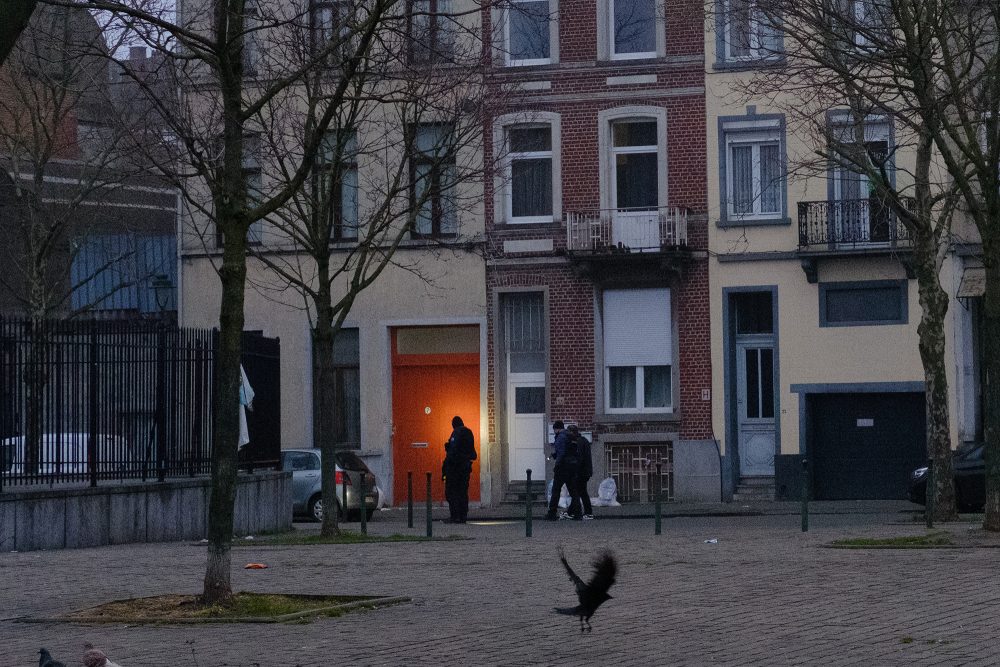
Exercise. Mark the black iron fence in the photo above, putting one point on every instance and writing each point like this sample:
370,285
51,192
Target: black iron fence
103,400
850,223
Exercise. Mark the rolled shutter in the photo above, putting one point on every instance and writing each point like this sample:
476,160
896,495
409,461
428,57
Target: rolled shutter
637,327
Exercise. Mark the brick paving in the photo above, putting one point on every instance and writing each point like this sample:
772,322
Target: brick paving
765,594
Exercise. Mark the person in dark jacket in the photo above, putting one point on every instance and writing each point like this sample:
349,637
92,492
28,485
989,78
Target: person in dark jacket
459,453
564,472
584,471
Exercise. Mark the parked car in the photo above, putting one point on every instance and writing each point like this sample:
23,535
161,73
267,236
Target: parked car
970,480
304,464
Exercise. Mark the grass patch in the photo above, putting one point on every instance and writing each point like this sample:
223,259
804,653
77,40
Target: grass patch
928,541
346,537
244,607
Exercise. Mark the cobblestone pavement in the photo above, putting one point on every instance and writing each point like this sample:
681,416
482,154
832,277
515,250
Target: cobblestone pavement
765,594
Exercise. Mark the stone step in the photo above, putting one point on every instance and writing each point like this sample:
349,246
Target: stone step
517,492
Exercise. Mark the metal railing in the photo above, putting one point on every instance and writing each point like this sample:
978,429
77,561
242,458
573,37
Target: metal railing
633,467
626,230
850,224
83,401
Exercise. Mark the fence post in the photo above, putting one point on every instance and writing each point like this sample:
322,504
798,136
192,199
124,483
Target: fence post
409,499
93,405
161,403
659,494
430,530
930,494
361,504
805,495
527,505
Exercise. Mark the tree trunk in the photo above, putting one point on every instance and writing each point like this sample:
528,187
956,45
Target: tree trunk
325,435
991,389
931,332
14,17
225,427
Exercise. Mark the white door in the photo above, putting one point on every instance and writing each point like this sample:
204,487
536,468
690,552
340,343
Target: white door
526,426
755,399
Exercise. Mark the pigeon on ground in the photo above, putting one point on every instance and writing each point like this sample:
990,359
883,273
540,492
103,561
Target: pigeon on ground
45,659
593,593
95,657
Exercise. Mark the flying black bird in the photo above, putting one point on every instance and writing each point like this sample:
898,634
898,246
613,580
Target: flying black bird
593,593
46,660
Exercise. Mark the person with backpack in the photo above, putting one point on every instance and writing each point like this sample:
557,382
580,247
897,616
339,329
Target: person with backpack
585,470
564,473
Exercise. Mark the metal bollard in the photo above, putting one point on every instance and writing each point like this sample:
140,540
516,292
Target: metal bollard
364,509
930,494
527,510
430,518
805,495
409,499
659,493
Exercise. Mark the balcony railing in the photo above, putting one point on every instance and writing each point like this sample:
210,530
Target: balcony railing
625,230
852,224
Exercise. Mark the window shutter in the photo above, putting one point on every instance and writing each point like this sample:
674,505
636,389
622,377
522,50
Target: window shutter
637,327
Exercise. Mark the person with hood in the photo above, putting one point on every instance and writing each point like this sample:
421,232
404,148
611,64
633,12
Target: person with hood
584,472
564,472
459,453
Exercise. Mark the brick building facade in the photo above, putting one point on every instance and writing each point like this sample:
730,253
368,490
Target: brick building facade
599,212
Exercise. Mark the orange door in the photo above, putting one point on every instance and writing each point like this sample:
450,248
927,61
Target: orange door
424,399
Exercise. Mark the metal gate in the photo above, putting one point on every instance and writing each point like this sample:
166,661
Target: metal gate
633,467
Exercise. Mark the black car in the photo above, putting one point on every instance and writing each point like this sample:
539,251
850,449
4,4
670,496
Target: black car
970,480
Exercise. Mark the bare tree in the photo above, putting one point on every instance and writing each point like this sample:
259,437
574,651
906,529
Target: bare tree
241,68
835,68
401,163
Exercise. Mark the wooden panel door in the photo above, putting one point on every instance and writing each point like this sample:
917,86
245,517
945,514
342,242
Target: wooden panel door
424,399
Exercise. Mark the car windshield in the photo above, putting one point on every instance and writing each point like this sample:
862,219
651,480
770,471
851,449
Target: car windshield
350,461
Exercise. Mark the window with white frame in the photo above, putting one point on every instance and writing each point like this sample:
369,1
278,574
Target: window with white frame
251,33
634,148
633,28
529,173
528,33
748,34
253,178
638,351
753,173
432,181
337,185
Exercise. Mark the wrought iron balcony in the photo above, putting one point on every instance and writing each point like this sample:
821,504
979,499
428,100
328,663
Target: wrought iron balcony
850,224
626,230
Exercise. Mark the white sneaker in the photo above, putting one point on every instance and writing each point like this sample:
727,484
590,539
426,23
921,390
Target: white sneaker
564,516
588,517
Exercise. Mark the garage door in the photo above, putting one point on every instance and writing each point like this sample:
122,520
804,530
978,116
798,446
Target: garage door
865,445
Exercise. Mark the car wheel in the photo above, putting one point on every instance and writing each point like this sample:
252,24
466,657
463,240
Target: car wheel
316,508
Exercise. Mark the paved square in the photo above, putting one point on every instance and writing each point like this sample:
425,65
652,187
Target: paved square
765,594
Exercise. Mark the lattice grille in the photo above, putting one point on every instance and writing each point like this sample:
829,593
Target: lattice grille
633,467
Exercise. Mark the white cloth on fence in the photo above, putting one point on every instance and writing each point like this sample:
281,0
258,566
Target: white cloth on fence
246,401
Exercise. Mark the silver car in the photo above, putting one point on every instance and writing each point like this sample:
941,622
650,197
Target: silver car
304,464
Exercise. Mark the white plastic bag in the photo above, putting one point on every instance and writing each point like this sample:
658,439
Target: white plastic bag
564,499
607,493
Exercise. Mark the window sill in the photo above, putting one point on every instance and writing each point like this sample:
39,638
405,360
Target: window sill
515,227
753,222
634,417
744,65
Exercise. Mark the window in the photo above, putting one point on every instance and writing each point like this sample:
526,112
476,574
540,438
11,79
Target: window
254,183
337,186
432,178
752,170
331,28
863,303
634,29
634,150
527,38
431,36
291,461
638,351
347,387
529,174
862,23
753,313
251,47
524,332
746,33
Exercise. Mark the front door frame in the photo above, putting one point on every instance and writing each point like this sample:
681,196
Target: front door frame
730,460
745,424
514,381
